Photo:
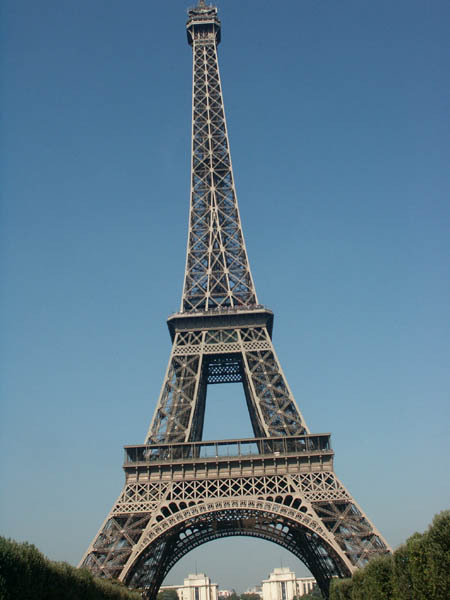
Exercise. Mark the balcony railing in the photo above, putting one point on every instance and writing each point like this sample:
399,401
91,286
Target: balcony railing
220,310
223,449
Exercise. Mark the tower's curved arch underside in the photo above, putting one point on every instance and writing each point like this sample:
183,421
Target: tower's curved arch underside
157,558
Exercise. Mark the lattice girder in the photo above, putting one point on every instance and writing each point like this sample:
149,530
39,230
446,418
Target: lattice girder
217,268
241,520
313,507
224,355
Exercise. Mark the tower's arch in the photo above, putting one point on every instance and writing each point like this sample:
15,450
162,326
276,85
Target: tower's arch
179,496
182,532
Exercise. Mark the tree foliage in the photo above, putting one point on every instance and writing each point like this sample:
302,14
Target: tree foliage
341,589
314,594
167,595
438,551
377,579
418,570
26,574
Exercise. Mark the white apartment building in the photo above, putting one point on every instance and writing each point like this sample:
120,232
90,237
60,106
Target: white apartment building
305,585
196,587
284,585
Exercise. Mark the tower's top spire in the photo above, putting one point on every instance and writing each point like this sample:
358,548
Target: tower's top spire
202,7
203,22
217,270
202,4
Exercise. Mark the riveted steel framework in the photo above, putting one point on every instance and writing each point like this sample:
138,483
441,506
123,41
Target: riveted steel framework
181,492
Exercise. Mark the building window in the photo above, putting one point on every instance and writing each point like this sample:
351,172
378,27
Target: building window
283,590
197,593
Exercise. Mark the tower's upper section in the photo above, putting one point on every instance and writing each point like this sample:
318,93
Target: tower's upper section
203,23
217,273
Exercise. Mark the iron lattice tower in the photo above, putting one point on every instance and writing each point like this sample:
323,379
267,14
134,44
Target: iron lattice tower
181,492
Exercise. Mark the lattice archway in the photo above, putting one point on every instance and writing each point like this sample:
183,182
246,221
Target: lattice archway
182,532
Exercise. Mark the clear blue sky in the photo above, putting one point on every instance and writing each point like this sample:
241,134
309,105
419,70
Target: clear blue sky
338,115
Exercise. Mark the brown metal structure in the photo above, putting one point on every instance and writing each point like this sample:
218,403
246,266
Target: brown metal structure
181,492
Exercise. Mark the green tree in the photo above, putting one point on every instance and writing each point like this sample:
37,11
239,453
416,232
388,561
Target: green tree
358,585
421,567
250,596
418,568
377,583
341,589
401,575
25,573
438,555
167,595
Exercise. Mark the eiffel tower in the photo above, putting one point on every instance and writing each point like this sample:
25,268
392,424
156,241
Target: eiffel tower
181,492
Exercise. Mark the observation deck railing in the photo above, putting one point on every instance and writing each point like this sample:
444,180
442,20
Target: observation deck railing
244,315
311,444
220,310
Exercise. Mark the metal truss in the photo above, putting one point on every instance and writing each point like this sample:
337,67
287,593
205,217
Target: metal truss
228,355
177,497
181,492
217,269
